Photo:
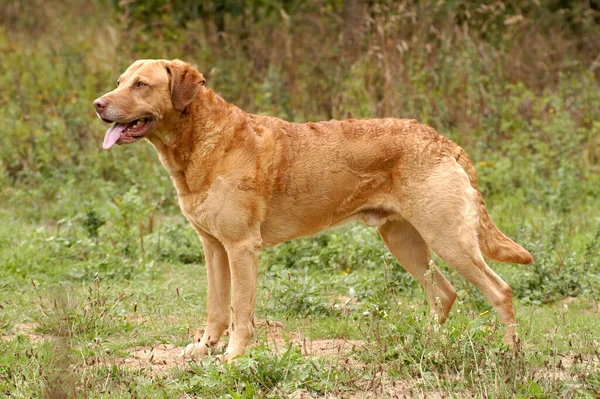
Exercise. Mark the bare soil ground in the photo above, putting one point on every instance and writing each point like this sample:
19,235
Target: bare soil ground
160,360
27,330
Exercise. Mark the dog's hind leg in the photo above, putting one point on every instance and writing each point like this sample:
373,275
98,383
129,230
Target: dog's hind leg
407,245
444,211
463,254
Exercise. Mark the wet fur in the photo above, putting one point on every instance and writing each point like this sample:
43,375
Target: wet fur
246,182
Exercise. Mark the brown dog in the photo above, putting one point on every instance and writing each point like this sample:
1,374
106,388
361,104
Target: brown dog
246,182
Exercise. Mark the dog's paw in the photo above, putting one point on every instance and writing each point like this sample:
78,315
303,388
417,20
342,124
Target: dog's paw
511,337
195,351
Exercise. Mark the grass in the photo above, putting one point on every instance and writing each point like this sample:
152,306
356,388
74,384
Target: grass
102,280
73,331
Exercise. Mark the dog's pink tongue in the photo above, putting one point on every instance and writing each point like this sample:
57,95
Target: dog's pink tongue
113,134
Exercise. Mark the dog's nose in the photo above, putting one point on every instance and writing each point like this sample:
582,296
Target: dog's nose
100,104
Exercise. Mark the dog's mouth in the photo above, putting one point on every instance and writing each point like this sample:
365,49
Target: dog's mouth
127,133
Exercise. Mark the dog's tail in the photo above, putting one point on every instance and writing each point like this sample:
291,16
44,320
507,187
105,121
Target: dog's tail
492,242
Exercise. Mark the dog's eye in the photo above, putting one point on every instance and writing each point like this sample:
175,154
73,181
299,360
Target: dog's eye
140,84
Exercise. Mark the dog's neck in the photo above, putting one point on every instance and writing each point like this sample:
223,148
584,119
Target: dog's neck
198,133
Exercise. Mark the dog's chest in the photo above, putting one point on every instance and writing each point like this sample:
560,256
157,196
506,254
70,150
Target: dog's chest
193,207
223,210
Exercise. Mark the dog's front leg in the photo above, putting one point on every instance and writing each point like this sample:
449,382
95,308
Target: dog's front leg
243,263
219,283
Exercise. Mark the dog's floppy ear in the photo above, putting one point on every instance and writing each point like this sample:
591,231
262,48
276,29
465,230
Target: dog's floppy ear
186,82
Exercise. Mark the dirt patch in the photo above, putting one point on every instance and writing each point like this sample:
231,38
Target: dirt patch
159,359
569,367
329,347
279,340
27,330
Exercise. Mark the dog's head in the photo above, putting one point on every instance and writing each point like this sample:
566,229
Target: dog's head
147,92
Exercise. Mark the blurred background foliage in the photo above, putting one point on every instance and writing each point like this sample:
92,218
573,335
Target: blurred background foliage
513,82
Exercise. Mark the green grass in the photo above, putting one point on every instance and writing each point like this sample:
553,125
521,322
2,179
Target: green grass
97,262
71,327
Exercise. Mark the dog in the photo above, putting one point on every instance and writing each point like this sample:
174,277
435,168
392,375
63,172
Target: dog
246,182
